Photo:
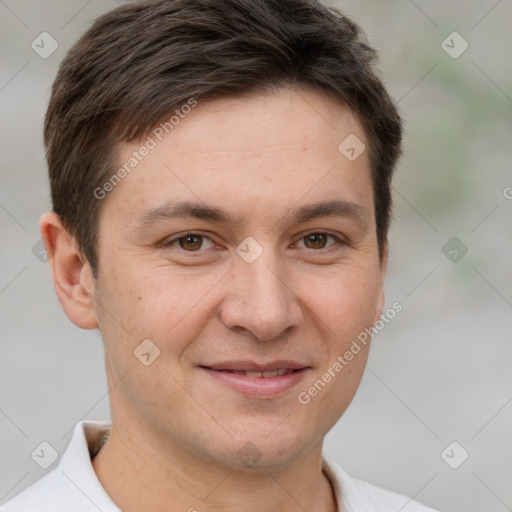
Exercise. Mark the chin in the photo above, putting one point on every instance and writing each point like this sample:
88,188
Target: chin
263,450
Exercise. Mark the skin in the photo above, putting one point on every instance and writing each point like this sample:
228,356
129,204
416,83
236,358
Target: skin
176,432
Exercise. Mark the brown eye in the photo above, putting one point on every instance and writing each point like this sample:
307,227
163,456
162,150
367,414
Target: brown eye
191,242
315,241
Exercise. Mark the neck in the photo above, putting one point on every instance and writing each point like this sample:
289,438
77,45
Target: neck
141,474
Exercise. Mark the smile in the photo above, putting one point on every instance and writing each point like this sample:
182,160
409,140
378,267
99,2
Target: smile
254,380
262,375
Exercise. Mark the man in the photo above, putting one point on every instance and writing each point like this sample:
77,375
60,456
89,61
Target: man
220,174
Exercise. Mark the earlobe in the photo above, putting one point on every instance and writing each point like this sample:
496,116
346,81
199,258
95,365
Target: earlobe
72,274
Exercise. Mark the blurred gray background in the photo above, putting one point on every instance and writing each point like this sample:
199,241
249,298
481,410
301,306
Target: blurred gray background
439,373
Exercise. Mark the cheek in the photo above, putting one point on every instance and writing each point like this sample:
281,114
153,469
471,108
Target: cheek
139,315
140,299
156,303
345,301
345,308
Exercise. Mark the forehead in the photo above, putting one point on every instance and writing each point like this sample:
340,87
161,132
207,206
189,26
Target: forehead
268,151
264,121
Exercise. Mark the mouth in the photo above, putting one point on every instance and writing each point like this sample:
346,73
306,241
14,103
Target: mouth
255,374
257,380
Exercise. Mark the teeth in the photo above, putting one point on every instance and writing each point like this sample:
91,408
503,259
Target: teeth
265,375
253,375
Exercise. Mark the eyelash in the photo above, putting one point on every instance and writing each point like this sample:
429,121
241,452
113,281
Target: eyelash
338,242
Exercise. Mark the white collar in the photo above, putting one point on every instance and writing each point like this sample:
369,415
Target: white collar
73,485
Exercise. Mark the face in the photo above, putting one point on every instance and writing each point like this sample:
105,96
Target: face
243,246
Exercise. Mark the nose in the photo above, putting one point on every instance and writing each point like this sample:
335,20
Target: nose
260,300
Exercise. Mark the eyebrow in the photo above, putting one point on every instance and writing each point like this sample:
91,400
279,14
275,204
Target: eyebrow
184,209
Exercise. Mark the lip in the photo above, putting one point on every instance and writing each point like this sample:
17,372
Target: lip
248,366
262,387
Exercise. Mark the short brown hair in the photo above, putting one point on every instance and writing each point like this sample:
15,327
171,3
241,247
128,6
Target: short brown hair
141,61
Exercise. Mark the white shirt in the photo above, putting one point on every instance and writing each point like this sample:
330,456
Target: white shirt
74,487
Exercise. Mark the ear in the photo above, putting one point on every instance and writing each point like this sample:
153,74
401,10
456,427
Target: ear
72,274
381,300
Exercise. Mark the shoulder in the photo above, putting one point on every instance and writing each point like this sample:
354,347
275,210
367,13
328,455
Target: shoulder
73,484
45,495
356,495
